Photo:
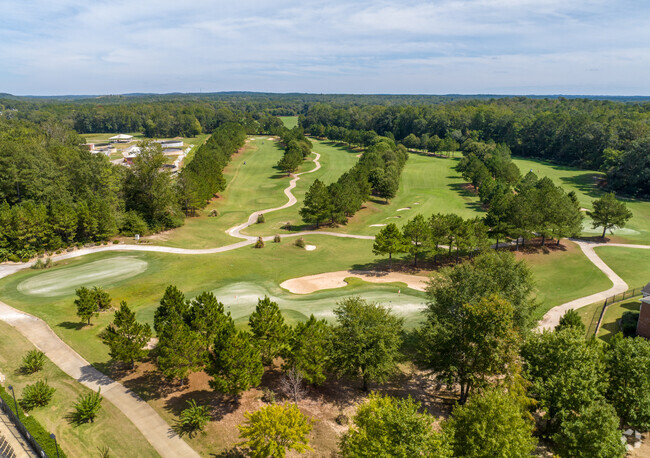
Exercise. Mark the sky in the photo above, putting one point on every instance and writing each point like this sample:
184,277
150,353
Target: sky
399,47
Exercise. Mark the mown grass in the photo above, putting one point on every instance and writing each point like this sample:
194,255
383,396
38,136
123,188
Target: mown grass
583,182
631,264
289,121
111,428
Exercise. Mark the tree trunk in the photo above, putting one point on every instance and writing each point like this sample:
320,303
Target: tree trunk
517,247
543,239
457,254
604,231
497,245
390,261
415,259
558,241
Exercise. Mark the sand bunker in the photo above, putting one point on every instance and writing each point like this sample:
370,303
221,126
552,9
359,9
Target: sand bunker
416,203
310,247
329,280
402,209
377,225
64,281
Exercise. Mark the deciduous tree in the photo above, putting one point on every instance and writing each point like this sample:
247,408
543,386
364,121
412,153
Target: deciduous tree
609,212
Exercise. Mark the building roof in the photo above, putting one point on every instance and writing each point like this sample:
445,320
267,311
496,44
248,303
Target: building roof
121,137
646,290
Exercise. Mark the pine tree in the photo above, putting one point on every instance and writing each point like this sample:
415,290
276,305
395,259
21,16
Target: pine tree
419,233
125,337
237,366
317,205
308,350
268,328
206,316
609,212
172,303
86,304
390,241
179,349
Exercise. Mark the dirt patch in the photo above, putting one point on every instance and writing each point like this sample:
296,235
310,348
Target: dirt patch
330,280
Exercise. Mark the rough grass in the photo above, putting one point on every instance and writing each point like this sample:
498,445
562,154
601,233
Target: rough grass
583,182
111,428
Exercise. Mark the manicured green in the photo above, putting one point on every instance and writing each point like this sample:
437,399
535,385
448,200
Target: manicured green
289,121
583,182
111,427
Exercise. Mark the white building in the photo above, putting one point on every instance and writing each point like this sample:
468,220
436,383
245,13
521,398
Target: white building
121,138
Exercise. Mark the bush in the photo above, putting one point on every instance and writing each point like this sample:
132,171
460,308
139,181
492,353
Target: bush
341,419
259,243
37,394
38,432
133,224
276,238
86,408
287,226
32,362
39,264
629,321
115,242
260,218
13,258
48,263
268,395
193,418
213,213
300,242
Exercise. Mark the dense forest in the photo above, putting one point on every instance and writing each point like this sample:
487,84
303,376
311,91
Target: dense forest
54,193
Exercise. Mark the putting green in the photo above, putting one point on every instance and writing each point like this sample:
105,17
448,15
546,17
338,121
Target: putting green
104,272
241,298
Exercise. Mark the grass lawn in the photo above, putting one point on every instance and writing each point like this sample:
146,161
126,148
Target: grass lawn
563,276
111,428
289,121
610,326
582,182
238,278
632,265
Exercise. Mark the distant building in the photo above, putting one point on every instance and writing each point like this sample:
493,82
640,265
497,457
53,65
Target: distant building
170,143
89,146
643,326
121,138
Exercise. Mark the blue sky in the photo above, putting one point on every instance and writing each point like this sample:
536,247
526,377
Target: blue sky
433,47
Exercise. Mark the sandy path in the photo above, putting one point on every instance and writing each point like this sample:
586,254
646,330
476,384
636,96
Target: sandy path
153,427
552,317
329,280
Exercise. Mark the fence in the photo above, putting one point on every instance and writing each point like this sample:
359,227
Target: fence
609,301
21,428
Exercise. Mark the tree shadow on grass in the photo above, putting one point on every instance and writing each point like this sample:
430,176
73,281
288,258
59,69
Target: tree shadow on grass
586,183
74,325
150,384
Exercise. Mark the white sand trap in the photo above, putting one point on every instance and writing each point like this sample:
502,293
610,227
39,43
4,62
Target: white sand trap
64,281
377,225
416,203
359,155
329,280
403,209
310,247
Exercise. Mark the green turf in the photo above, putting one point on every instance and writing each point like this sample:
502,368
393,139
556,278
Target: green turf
583,182
610,325
631,264
258,270
111,428
564,276
289,121
428,185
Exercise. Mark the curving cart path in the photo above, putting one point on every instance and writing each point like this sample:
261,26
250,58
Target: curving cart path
552,317
145,418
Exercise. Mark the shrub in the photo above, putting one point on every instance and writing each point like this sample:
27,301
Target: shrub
86,408
259,243
629,321
260,218
276,238
287,226
38,432
133,224
37,394
115,242
268,395
341,419
300,242
48,263
213,213
32,362
193,418
13,258
39,264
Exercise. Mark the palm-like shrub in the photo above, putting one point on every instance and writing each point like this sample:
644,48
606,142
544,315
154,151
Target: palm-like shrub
193,418
32,362
87,407
300,242
37,394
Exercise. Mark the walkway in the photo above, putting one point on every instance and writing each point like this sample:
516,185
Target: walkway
552,317
150,424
